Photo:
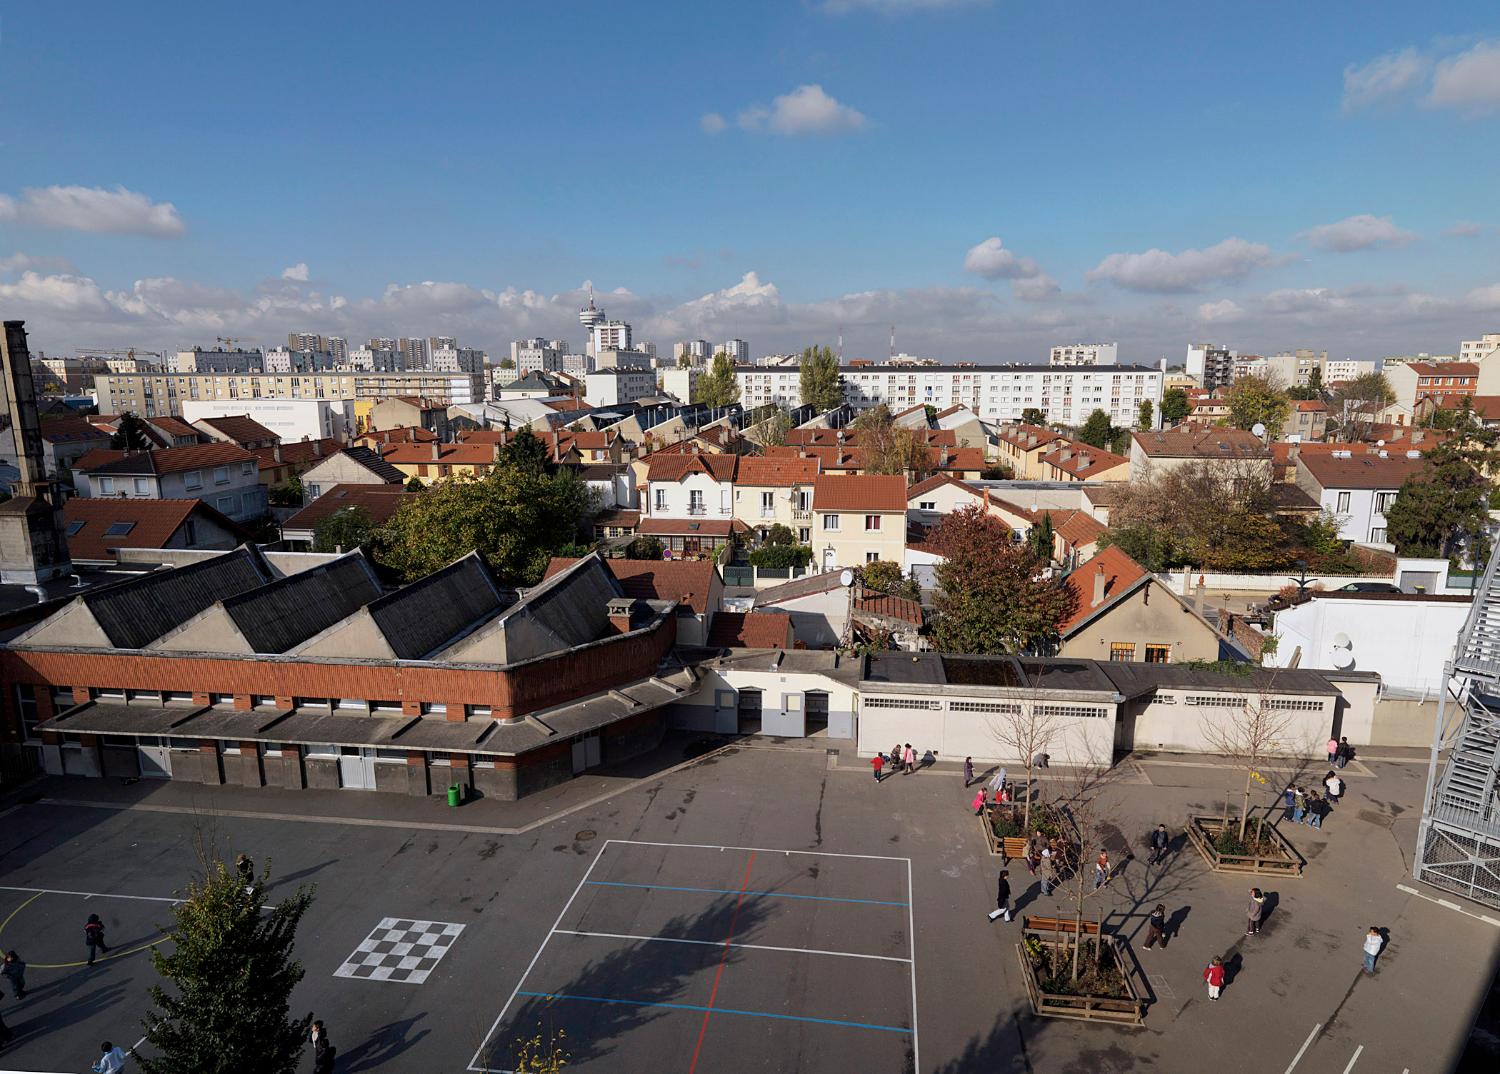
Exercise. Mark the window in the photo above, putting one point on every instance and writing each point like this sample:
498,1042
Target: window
1158,654
228,505
142,486
1080,711
434,708
310,702
695,502
106,486
872,523
767,505
193,479
1121,652
901,703
1218,701
1285,705
246,468
804,534
872,557
478,710
927,505
1383,501
119,529
221,475
385,706
1343,503
74,528
1002,707
1377,535
830,522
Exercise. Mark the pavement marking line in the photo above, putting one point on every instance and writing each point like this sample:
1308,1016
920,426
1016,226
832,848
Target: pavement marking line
717,1010
911,939
720,943
737,891
1447,904
88,894
1353,1058
758,850
474,1063
18,909
713,993
1303,1050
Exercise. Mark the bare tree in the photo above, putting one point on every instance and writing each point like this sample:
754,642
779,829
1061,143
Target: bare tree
1251,730
1085,798
1027,728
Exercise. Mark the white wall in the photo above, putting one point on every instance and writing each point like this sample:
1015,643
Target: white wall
953,735
1406,641
718,497
290,419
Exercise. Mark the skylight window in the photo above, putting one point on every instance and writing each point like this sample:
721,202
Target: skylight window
119,529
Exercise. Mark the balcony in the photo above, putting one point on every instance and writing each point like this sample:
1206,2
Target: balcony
697,509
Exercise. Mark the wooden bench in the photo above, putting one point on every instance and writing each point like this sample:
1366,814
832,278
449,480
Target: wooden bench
1059,924
1012,846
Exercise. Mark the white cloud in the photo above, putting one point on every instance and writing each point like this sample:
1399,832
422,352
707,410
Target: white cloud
993,261
1361,232
805,110
712,123
1385,77
1191,270
18,262
81,208
297,272
1464,229
1220,311
71,296
1036,288
1469,81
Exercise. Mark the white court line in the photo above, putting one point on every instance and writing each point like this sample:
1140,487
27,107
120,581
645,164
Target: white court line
532,964
911,939
1352,1058
758,850
721,943
90,894
1447,904
1302,1050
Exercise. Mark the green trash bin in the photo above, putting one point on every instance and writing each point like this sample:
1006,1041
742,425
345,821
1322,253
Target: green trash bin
455,794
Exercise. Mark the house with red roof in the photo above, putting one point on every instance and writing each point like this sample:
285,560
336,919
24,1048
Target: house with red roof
224,476
858,519
97,527
1122,613
776,491
695,585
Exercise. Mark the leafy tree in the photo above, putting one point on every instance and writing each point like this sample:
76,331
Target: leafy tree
779,533
1120,443
130,434
1315,382
1033,416
1258,400
717,387
514,516
1151,547
821,385
347,529
889,448
1356,405
1297,391
415,484
1174,406
1437,513
506,362
223,1007
1145,415
288,494
781,556
774,430
1097,430
1041,538
886,577
644,548
1208,514
999,471
527,453
992,596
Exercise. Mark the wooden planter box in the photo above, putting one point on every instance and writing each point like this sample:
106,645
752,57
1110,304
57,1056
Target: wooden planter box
1086,1008
1201,831
1014,846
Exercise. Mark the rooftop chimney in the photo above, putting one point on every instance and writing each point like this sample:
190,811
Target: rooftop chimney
618,610
1099,581
437,451
33,548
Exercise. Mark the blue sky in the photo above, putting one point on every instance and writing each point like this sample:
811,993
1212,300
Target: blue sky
991,177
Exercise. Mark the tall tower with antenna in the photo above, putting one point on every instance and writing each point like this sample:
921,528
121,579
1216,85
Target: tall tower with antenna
589,316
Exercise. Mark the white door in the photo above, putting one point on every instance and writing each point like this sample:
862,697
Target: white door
156,759
828,563
357,768
586,753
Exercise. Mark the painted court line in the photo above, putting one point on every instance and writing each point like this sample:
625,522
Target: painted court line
1353,1058
90,894
757,850
911,939
737,891
718,1010
720,943
1303,1050
1447,904
713,993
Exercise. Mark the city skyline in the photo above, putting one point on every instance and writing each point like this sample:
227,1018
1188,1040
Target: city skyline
991,181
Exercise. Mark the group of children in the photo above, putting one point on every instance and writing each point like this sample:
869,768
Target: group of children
901,757
1306,806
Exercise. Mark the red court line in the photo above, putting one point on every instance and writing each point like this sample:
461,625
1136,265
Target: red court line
733,921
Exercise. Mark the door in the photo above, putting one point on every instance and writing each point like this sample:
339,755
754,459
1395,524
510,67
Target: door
828,563
586,753
357,768
156,759
815,711
749,712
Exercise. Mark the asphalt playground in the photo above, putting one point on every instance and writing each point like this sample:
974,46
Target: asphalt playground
752,909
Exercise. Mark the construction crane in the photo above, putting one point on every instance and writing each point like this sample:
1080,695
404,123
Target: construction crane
229,344
118,352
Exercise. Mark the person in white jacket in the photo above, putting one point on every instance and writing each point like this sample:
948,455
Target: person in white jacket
112,1061
1373,943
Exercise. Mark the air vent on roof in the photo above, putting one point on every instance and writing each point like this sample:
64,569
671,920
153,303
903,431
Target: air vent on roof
1413,454
1341,455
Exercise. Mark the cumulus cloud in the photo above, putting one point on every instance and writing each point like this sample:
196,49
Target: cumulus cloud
1221,311
807,110
92,209
296,273
991,260
18,262
1384,78
1361,232
1469,81
1036,288
712,123
72,296
1191,270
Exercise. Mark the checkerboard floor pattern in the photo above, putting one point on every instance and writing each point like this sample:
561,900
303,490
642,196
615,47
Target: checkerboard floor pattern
401,950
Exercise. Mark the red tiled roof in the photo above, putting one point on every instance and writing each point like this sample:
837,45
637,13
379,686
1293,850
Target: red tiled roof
1310,405
1120,573
1078,528
859,492
963,459
829,458
239,428
1362,471
173,426
168,460
937,481
448,454
1028,436
1444,369
776,471
687,581
296,452
151,524
379,501
71,430
674,467
1186,442
97,457
1083,460
750,630
619,516
883,604
405,434
692,527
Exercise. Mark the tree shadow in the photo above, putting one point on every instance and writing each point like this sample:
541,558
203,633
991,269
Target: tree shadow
625,990
76,1010
387,1042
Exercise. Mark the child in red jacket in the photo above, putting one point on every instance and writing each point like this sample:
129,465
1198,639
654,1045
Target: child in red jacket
1214,975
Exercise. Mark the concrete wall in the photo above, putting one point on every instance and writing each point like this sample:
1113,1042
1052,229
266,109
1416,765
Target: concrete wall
1406,641
1398,722
818,619
1169,722
715,705
953,735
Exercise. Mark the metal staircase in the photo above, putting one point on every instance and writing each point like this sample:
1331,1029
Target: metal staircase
1458,847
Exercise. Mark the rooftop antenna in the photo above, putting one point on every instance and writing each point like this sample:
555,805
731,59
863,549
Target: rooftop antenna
893,341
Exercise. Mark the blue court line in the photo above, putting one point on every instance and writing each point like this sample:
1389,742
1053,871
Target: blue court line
716,1010
737,891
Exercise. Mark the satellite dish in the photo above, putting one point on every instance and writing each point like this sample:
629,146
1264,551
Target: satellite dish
846,577
1342,641
1343,659
1258,429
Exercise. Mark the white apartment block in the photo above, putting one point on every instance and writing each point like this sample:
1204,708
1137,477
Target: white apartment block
454,359
1477,350
697,351
154,395
535,356
286,360
1085,354
994,392
609,336
737,349
680,383
1211,365
1337,369
615,387
290,419
370,359
199,360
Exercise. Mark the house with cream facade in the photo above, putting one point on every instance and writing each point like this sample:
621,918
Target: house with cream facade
858,519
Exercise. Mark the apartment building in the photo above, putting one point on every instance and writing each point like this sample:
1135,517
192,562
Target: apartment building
1477,350
697,351
858,519
451,359
199,360
537,355
1167,449
161,394
1211,365
614,387
1358,488
224,476
1085,354
775,491
995,393
737,349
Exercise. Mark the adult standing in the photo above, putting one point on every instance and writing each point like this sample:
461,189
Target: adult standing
93,936
1333,749
1160,841
1344,751
1299,805
1156,927
1374,941
1289,800
877,763
14,971
968,771
1034,849
1002,897
1254,912
323,1049
1214,975
1048,871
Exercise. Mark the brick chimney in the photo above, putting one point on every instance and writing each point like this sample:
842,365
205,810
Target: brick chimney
618,610
1099,583
318,448
437,451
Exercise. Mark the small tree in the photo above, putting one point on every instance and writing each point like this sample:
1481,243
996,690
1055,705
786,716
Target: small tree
1033,416
821,385
886,577
506,362
718,387
1028,731
1041,538
130,434
228,982
347,529
287,494
644,548
1174,406
1356,405
1145,415
1084,793
1258,400
415,484
773,430
1249,735
888,448
1097,431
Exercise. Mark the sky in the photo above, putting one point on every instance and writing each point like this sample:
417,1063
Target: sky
991,178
